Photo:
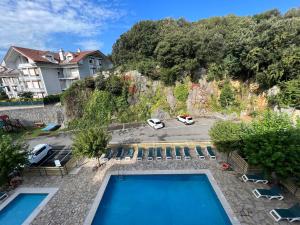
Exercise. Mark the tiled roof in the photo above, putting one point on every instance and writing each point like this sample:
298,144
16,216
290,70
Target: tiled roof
37,55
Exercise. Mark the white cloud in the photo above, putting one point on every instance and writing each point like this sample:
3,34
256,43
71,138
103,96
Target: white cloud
90,44
31,23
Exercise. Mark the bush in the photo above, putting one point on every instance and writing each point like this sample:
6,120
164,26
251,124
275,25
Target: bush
100,82
227,136
272,142
91,143
181,92
26,95
289,95
169,76
227,95
148,68
51,99
11,157
3,95
114,85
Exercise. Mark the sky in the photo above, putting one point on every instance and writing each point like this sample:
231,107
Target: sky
97,24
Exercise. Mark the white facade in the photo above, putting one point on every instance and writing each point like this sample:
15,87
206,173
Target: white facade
44,73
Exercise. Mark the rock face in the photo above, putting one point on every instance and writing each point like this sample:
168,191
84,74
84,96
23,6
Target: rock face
170,98
160,114
197,103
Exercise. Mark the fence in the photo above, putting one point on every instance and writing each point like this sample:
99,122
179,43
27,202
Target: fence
292,187
240,165
54,170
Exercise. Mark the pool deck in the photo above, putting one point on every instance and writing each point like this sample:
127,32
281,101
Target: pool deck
75,196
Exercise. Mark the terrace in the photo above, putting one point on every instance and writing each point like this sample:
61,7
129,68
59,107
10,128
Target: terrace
77,192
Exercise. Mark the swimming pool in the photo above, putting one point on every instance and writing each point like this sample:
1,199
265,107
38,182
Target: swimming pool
23,206
160,199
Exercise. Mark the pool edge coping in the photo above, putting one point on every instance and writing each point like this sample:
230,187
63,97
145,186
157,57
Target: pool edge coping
92,212
28,190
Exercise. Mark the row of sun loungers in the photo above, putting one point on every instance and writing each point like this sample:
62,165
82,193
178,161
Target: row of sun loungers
156,153
291,214
121,153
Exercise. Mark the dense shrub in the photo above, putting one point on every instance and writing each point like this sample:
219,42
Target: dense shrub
271,141
227,136
12,157
3,95
181,92
50,99
289,95
227,97
27,95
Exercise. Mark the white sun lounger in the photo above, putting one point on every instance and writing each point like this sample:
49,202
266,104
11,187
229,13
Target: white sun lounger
254,178
273,193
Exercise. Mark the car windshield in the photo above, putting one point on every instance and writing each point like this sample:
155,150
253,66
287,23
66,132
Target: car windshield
158,122
189,118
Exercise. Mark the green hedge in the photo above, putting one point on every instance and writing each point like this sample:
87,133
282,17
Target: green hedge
50,99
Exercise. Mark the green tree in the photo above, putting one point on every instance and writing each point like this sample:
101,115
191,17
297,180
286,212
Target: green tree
272,142
91,143
227,97
12,157
227,136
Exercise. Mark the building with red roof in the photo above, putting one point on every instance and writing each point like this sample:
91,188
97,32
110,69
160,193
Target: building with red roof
45,72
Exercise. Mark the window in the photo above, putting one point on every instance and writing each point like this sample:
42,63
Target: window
32,72
37,71
36,84
91,60
99,62
25,72
29,84
49,57
8,88
40,151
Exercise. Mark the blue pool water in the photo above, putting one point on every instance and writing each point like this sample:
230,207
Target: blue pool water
160,200
17,211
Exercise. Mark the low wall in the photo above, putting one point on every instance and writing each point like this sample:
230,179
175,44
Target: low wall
46,114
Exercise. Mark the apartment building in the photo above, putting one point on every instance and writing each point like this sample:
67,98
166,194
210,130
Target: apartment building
44,72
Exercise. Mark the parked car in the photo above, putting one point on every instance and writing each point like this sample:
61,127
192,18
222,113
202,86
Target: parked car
155,123
38,153
186,119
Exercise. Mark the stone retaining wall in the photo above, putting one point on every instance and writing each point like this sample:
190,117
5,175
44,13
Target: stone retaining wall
46,114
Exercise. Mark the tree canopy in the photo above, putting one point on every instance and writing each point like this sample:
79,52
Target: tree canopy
263,47
91,143
11,157
271,141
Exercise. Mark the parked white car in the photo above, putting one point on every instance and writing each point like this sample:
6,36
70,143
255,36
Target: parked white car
155,123
38,153
186,119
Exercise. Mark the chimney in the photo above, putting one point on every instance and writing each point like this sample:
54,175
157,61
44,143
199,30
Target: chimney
78,50
61,54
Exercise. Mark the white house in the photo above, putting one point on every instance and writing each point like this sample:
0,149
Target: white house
44,72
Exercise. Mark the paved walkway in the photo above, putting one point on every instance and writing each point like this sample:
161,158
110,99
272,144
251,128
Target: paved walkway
76,193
